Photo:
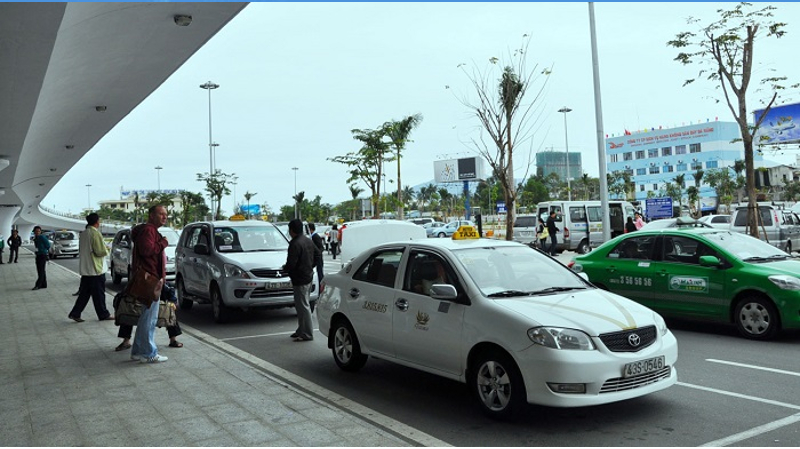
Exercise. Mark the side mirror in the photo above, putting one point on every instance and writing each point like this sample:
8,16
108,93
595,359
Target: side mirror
447,292
124,245
709,261
201,249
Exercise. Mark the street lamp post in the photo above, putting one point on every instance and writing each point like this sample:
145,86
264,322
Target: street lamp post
158,171
209,86
295,190
214,156
88,196
564,110
235,178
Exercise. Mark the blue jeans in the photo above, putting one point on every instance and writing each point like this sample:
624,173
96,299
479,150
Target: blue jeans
144,343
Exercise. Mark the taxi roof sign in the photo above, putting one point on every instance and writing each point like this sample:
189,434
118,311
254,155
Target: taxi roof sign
466,232
237,217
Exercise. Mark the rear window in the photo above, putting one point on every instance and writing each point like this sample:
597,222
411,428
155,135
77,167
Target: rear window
525,222
741,217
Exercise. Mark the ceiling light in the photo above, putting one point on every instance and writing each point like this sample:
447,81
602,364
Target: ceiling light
53,169
41,184
100,108
182,20
69,147
37,196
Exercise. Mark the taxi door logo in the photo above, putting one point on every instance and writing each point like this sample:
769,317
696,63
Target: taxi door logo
688,284
422,321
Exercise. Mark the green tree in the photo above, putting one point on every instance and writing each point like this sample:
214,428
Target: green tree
247,197
217,187
724,49
366,164
398,131
193,207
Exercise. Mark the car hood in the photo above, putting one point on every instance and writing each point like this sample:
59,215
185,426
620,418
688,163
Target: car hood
790,267
260,259
594,311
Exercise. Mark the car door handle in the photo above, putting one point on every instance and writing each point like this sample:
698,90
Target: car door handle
354,293
401,304
663,273
611,269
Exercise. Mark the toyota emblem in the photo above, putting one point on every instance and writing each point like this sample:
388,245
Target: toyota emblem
634,340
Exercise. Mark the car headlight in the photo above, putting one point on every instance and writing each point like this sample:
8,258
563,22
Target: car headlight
785,282
560,338
232,271
661,325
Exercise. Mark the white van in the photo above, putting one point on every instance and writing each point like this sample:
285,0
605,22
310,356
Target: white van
580,223
780,228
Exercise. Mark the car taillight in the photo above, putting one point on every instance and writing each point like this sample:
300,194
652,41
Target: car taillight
570,264
566,232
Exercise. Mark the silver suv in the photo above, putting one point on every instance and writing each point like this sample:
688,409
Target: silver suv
122,251
234,264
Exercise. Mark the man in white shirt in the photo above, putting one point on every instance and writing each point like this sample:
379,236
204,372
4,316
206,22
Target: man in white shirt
93,267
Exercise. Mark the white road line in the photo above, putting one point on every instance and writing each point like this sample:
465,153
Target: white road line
742,365
741,396
245,337
755,431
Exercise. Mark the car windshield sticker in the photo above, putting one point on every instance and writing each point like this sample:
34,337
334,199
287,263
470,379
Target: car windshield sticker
225,247
688,284
644,264
444,307
375,307
631,324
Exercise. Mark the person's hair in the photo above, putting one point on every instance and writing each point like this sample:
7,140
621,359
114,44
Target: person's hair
37,227
540,220
335,226
312,227
14,230
152,209
92,219
630,219
296,226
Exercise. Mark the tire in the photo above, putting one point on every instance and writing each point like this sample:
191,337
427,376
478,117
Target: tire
313,305
583,247
757,318
345,348
115,278
442,235
219,310
180,291
497,384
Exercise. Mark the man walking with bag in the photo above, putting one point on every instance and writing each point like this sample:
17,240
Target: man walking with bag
93,267
300,266
148,267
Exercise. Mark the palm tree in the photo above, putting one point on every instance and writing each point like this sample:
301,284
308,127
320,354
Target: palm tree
680,180
408,194
247,196
298,200
354,192
398,132
585,180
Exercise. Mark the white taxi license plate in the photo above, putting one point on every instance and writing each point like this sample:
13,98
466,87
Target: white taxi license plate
525,233
643,367
280,284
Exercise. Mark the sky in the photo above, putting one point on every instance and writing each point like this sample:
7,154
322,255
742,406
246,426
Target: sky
296,78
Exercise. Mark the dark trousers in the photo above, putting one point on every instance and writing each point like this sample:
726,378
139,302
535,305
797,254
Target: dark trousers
319,265
41,263
13,254
553,244
126,331
334,248
94,286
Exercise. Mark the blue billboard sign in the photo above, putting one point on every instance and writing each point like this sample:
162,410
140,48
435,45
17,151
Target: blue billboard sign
252,209
658,208
778,125
501,207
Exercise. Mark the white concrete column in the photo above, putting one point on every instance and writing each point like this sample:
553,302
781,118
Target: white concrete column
7,219
25,230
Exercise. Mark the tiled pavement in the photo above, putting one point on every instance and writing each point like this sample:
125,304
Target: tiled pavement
62,384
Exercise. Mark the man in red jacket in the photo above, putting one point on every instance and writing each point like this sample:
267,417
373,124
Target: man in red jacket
148,255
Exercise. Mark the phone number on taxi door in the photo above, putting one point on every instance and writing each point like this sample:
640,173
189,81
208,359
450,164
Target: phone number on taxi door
632,280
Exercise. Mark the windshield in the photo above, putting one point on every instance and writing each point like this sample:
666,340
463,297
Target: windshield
171,235
508,271
745,247
249,239
64,236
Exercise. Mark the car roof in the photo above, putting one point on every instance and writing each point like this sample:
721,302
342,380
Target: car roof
219,223
451,244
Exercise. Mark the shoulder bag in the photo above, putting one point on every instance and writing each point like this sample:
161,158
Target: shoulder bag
126,309
145,287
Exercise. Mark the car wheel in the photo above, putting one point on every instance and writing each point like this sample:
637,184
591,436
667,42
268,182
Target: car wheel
346,349
115,278
312,305
218,307
180,290
442,235
497,384
757,318
583,247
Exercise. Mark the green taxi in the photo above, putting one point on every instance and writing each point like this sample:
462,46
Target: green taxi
701,273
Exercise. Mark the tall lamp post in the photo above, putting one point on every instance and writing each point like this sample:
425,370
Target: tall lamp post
88,196
214,156
235,178
295,190
564,110
209,86
158,171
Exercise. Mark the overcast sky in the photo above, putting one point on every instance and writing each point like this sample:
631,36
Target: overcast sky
295,78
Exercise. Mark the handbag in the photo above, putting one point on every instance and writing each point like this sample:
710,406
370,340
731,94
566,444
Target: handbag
166,314
145,287
544,234
126,309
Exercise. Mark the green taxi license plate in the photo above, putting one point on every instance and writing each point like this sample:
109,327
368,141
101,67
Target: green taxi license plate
643,367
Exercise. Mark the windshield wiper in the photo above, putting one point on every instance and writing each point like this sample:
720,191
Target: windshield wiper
556,289
509,293
765,259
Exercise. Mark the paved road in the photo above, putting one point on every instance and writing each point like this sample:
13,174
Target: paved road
731,391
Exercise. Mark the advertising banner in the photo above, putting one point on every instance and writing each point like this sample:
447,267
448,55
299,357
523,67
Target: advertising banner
778,126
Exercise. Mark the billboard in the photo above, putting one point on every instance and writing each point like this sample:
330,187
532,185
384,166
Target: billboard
252,209
456,170
778,126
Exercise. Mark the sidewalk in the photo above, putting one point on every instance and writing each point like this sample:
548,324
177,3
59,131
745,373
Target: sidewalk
62,384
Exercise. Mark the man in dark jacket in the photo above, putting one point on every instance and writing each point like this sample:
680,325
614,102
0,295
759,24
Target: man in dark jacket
300,266
14,242
552,229
319,248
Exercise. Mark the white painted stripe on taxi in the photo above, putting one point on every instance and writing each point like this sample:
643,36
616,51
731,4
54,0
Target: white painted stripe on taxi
741,396
754,432
761,368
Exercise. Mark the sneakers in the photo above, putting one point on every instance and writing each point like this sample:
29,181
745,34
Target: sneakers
155,359
135,357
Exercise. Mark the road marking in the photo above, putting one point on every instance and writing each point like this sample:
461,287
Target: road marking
742,365
245,337
741,396
755,431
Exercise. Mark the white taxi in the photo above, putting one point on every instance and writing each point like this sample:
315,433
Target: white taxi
514,324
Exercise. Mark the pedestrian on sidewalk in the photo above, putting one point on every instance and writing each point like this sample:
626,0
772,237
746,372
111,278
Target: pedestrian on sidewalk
552,229
92,268
14,242
2,245
148,255
630,226
42,245
125,331
319,248
334,236
300,266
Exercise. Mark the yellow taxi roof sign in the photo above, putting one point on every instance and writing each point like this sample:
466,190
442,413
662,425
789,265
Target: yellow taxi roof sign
237,217
466,232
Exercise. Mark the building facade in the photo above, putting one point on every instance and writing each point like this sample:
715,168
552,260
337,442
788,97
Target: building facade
654,158
127,201
548,162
